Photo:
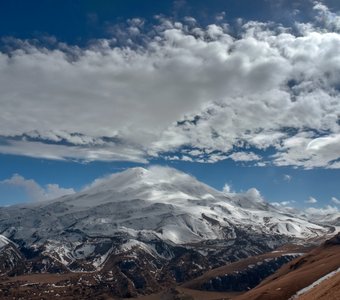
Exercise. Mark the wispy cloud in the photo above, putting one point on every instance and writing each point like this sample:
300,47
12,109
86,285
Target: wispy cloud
336,200
311,200
282,203
287,177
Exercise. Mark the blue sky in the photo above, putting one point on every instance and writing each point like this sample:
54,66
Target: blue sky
78,21
244,93
272,182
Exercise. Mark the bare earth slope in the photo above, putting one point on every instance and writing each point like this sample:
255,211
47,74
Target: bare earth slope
246,273
299,274
327,290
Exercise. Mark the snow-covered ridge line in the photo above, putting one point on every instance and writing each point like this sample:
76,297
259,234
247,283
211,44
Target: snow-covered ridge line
3,241
314,284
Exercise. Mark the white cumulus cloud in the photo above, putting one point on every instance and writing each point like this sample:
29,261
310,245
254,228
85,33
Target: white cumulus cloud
34,191
322,211
244,156
185,86
227,188
255,195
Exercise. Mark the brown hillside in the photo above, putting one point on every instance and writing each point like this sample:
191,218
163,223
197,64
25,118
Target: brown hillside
298,274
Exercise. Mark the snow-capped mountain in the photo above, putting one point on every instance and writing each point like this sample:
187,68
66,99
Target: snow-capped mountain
158,201
156,213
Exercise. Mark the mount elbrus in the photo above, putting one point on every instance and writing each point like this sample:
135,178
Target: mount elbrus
141,230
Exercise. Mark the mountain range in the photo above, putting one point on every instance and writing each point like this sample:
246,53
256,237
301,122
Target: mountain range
142,230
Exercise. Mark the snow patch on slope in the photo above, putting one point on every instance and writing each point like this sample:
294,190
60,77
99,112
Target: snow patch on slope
3,241
314,284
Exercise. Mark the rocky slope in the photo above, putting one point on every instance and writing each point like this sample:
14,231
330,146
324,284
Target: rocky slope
245,274
326,290
296,280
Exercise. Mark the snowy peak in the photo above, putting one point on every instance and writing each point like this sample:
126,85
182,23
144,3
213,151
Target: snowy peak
154,183
119,180
150,177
